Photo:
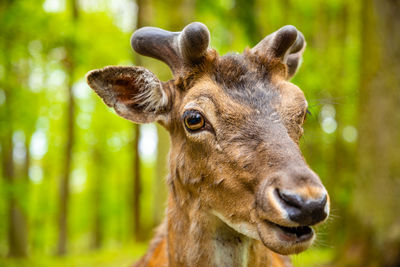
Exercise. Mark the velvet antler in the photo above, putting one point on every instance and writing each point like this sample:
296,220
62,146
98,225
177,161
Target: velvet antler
286,44
178,50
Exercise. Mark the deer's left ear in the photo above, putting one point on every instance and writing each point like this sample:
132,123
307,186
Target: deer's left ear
135,93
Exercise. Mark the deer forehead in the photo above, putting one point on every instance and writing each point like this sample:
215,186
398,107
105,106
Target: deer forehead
250,99
208,96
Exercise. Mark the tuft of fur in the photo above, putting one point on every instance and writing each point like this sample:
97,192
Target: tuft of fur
151,97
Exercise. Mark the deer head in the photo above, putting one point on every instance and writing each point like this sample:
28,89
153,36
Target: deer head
235,122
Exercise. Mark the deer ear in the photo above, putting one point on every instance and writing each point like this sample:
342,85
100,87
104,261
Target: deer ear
135,93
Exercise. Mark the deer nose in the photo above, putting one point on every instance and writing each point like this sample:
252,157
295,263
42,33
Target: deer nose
304,212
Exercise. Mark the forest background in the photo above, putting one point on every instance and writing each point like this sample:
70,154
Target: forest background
80,186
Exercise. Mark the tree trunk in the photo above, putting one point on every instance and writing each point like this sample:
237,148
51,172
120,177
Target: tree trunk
66,174
136,177
245,10
137,186
160,187
181,15
17,231
98,177
17,228
18,243
65,180
376,236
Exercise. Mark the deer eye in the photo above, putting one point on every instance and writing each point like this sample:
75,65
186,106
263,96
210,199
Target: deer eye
193,120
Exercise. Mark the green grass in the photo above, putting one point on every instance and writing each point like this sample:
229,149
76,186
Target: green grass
122,256
313,257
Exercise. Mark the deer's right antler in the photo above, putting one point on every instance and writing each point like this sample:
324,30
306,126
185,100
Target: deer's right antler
178,50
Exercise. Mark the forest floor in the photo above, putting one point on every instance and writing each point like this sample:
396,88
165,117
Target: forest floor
126,256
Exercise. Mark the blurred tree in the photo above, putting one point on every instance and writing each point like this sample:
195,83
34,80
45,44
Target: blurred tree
137,187
245,12
141,16
180,15
374,238
12,86
98,193
160,186
70,128
17,232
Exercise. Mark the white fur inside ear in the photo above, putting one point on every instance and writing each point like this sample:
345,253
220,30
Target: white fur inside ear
151,97
121,108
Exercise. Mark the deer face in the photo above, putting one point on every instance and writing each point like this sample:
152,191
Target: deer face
235,123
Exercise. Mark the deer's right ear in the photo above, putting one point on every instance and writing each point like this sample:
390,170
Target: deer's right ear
134,92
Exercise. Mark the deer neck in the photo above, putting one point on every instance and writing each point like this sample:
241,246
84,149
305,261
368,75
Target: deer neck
198,238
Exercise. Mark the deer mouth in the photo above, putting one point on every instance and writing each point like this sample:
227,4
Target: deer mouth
296,234
285,239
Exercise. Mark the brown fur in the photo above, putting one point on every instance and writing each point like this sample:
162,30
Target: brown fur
223,205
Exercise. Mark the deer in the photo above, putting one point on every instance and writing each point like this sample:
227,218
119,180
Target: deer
240,190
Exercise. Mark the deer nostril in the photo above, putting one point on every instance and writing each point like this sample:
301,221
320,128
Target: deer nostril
304,212
291,200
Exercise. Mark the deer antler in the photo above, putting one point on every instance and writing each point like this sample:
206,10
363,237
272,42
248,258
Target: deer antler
286,44
177,49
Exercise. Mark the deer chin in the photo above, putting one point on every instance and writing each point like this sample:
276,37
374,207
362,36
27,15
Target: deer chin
278,238
285,240
244,228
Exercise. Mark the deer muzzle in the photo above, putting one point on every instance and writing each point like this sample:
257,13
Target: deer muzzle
288,203
296,195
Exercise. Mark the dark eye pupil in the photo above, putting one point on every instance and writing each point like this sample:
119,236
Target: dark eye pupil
194,119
